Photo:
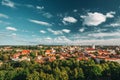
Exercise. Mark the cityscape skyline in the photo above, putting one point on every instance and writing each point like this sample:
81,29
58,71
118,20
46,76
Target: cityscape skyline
59,22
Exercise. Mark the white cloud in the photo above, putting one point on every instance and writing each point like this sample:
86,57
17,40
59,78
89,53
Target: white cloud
60,15
14,34
58,32
100,30
95,19
3,16
97,42
116,23
11,28
4,23
48,38
110,14
40,22
8,3
40,7
113,25
29,5
62,39
82,29
47,15
42,31
66,30
112,34
57,40
55,32
102,38
78,36
43,12
75,10
69,20
89,40
66,41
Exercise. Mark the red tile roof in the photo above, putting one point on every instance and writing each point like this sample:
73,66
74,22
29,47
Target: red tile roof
90,49
48,51
16,55
25,52
103,52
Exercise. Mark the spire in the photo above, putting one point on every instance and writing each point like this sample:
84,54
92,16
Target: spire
93,46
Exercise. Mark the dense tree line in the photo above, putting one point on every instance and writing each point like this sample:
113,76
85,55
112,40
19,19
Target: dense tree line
60,70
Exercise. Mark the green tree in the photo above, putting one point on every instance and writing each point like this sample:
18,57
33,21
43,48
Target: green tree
33,55
2,75
93,72
42,76
115,70
78,74
10,75
21,74
5,57
47,69
33,76
49,77
60,75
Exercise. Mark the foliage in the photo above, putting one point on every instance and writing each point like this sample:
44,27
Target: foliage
70,69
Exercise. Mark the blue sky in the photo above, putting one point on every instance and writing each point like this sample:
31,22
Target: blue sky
81,22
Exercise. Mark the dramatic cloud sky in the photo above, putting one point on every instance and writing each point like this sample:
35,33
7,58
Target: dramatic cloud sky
78,22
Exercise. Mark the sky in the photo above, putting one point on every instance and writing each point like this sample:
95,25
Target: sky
60,22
